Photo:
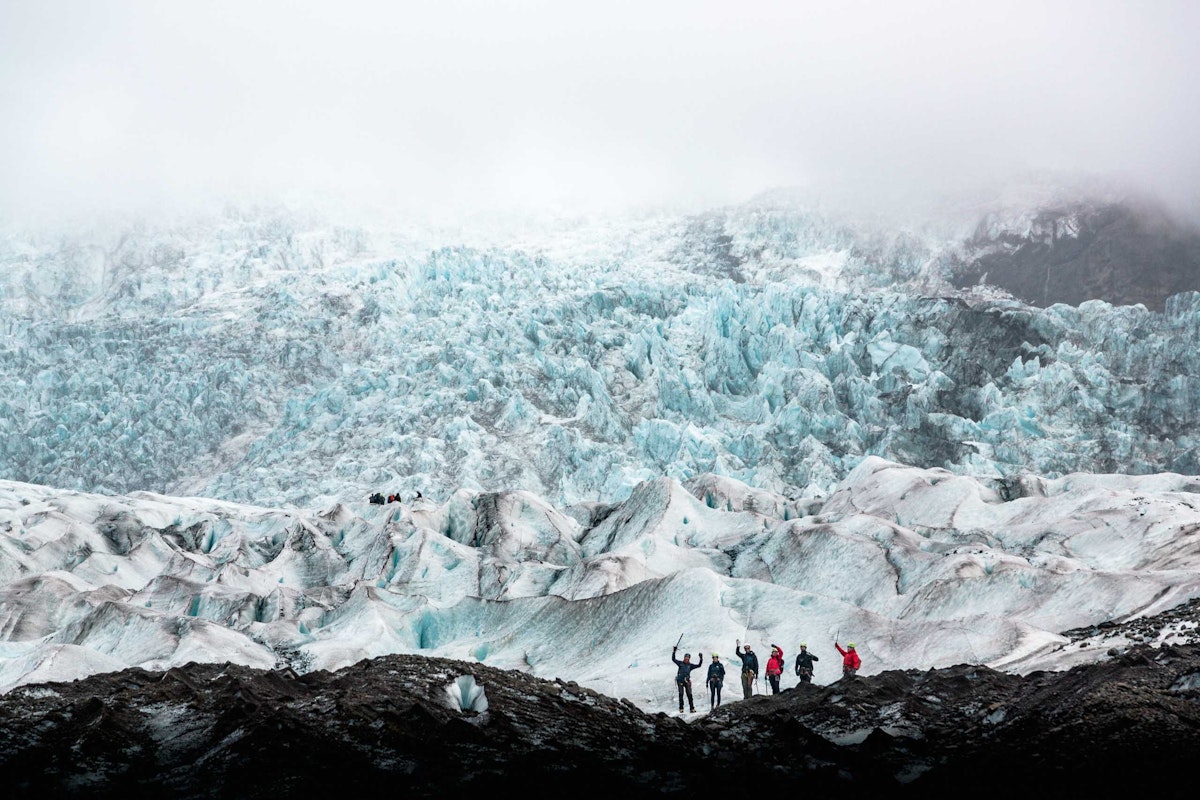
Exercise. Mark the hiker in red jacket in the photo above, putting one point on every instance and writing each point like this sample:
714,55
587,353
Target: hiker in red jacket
850,660
775,668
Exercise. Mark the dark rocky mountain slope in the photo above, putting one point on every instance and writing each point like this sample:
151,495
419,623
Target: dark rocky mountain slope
1121,252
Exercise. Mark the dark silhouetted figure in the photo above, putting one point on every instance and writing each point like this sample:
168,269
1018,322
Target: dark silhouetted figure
683,678
804,664
749,668
716,679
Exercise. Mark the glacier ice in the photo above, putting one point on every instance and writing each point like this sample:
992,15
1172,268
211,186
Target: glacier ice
282,361
925,566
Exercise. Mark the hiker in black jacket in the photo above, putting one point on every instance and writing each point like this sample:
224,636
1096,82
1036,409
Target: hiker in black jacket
683,678
749,668
716,679
804,664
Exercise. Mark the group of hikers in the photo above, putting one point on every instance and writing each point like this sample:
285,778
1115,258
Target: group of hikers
749,674
377,499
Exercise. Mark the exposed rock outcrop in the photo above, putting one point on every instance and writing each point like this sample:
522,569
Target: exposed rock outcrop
1131,723
1121,252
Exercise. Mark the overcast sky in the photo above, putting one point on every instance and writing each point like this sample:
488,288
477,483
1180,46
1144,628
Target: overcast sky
472,104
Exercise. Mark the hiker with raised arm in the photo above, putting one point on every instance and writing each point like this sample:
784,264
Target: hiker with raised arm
683,678
749,668
850,660
775,668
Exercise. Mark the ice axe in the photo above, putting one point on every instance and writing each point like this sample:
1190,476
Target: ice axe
677,641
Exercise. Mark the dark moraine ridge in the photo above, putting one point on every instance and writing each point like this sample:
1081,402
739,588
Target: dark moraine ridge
1128,724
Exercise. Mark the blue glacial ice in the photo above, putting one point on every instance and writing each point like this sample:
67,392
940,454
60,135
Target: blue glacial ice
279,359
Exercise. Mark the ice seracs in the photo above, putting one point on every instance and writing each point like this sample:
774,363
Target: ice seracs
285,363
923,567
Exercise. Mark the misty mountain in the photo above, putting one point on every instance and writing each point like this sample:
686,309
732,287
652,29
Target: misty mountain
277,358
767,424
1124,253
407,398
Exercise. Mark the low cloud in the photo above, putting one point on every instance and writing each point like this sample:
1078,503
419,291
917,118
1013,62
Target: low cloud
472,105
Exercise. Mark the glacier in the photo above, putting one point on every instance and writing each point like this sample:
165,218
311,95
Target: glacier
282,359
920,567
762,423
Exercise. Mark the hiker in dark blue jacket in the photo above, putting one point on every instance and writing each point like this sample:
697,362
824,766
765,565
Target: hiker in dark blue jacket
683,678
749,668
716,678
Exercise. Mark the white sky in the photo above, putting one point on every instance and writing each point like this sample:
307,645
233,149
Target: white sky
468,104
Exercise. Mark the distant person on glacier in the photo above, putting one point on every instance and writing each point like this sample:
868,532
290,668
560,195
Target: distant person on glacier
804,664
683,678
749,668
850,660
775,668
376,499
716,679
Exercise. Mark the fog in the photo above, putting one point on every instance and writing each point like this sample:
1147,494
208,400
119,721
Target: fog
462,106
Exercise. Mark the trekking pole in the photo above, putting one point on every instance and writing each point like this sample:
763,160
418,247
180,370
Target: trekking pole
680,639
